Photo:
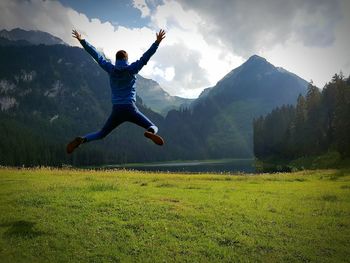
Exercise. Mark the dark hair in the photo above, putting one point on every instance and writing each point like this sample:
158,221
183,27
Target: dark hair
121,54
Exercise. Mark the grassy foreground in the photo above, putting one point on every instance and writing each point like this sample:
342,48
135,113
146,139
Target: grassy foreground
49,215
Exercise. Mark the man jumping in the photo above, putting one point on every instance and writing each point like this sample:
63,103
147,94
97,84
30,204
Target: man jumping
122,81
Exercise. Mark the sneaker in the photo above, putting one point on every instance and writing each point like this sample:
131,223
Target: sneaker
154,137
74,144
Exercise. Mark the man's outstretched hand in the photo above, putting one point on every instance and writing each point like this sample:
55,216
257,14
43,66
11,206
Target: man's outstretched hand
76,35
160,36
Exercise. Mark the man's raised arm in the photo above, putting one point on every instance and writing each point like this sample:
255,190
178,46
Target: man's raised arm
100,59
137,65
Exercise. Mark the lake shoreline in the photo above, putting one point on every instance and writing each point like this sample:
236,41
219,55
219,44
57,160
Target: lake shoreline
192,166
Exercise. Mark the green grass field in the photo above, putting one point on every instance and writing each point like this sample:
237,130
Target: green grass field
52,215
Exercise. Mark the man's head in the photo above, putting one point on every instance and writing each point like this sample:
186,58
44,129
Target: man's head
121,55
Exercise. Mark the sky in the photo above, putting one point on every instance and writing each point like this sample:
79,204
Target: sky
205,39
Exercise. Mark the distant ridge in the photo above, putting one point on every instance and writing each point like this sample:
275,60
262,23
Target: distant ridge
155,97
33,37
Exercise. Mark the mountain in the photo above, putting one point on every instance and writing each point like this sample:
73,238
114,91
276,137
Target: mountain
158,99
31,36
257,78
223,115
18,43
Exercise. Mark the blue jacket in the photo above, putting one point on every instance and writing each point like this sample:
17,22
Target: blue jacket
122,74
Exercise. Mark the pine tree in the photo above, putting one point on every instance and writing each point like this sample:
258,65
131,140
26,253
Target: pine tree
342,116
258,137
313,128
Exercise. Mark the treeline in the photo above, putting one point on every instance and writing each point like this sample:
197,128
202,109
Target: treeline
320,122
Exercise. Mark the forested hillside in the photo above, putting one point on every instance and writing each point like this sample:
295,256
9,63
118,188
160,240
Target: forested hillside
319,123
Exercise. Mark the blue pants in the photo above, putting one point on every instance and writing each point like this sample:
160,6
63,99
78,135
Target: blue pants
121,113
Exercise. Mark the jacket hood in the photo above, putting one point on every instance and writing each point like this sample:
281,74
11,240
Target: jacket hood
119,64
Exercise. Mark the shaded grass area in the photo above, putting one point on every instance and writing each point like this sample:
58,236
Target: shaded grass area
329,160
49,215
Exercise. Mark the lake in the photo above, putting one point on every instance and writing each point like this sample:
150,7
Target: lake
197,166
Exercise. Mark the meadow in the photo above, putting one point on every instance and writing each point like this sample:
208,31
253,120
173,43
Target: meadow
72,215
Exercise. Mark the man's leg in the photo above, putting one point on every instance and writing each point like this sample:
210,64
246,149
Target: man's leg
112,122
140,119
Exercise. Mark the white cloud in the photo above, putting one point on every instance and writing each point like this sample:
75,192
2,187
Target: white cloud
179,69
37,15
318,63
168,74
247,27
204,63
171,14
142,6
